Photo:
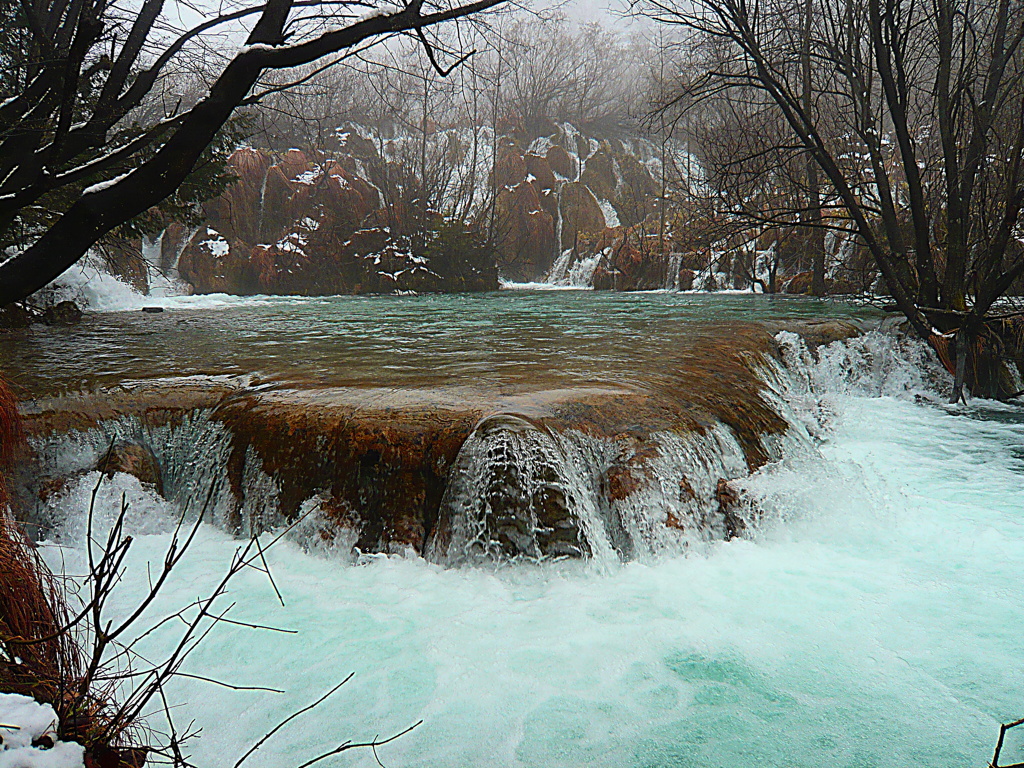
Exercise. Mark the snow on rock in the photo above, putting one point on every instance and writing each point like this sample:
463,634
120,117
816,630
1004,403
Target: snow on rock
611,216
24,721
216,245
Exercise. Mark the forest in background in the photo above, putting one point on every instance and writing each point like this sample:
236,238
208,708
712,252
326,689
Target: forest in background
553,153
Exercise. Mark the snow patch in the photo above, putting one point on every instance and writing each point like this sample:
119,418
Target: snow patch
216,244
23,721
611,216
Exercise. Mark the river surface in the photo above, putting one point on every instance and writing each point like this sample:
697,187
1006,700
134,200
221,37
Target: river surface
506,337
875,616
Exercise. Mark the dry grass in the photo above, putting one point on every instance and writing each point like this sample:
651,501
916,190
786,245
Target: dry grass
38,657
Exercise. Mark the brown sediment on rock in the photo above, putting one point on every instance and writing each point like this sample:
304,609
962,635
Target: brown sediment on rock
381,459
133,459
156,404
729,507
817,333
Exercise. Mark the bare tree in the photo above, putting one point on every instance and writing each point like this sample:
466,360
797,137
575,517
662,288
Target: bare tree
86,65
916,124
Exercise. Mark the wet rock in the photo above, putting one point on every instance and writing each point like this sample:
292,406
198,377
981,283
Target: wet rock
637,191
632,261
15,316
309,225
508,498
527,246
800,283
172,242
632,471
818,333
599,175
62,313
581,213
538,167
510,169
135,460
730,508
561,162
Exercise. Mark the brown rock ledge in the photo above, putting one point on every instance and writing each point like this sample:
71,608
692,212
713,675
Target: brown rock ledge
380,459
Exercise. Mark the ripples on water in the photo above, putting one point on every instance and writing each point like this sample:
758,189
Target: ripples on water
508,337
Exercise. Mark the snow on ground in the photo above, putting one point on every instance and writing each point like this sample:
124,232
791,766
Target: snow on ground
23,722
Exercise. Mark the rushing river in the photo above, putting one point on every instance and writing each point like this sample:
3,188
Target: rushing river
873,618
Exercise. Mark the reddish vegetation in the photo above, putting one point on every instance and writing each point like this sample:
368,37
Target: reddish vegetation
10,437
32,606
295,225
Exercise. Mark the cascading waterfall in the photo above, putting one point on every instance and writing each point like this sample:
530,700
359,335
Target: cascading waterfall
516,490
520,489
675,264
559,269
263,201
569,271
164,280
871,616
192,455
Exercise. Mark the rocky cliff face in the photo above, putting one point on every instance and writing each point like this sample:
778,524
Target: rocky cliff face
561,208
311,225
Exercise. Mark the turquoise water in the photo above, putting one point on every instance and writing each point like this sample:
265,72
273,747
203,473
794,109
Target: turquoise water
874,621
507,337
874,618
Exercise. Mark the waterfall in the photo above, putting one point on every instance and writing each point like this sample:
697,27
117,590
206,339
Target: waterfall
192,453
675,263
569,271
521,491
164,280
517,488
558,270
263,201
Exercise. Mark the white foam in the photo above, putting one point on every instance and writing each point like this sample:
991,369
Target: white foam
873,618
509,285
96,290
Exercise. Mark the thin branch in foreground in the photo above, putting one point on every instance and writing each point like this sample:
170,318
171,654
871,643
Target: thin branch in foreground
999,745
373,744
228,685
288,719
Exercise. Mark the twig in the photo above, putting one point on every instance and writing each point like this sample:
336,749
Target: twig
288,719
229,685
372,744
270,576
999,745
